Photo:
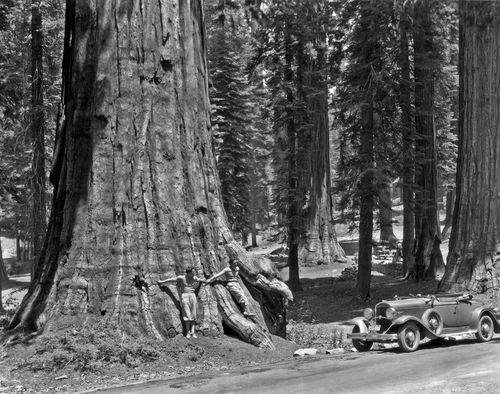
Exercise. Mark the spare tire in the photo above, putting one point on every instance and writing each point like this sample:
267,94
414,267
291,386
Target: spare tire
433,321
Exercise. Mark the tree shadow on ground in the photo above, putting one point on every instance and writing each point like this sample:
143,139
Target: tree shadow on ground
444,343
17,267
332,300
13,283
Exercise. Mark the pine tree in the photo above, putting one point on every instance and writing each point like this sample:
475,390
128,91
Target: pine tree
296,53
229,97
239,128
17,196
366,113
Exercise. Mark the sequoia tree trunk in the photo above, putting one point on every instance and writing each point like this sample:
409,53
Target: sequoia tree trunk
38,216
408,166
385,213
366,201
136,190
293,218
319,243
366,189
428,257
474,254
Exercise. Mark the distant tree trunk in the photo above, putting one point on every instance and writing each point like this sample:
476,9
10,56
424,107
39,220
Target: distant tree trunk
3,271
474,254
253,228
366,189
408,167
428,257
319,244
37,131
253,210
18,248
367,203
136,191
293,202
450,203
244,237
385,214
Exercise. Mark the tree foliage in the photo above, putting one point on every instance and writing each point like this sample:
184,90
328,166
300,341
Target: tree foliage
237,101
16,142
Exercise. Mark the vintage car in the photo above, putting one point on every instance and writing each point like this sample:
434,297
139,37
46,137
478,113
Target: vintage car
408,320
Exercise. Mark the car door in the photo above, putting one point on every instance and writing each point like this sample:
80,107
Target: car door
447,308
464,311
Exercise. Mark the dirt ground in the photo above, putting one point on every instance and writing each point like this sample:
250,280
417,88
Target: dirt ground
63,363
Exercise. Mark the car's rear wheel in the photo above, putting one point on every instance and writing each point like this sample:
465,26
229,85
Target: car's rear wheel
359,345
485,329
409,337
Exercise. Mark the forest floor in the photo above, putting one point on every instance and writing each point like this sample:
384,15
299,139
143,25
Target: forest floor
317,319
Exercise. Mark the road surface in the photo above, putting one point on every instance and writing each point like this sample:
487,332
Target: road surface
464,366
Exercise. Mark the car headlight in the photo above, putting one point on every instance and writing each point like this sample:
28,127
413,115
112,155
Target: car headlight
368,313
390,313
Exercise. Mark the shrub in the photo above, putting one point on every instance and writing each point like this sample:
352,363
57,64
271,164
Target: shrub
308,335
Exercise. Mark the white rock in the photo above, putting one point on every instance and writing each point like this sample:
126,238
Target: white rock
305,352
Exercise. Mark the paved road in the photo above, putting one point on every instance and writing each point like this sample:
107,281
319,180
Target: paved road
461,367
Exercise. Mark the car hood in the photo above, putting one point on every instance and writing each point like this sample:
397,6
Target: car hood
405,303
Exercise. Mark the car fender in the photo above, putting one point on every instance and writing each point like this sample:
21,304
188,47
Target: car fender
361,322
406,318
480,311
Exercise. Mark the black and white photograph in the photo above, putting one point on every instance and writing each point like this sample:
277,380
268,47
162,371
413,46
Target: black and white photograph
250,196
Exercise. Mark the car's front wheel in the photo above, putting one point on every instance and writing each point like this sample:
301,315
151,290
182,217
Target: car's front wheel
485,329
359,345
409,337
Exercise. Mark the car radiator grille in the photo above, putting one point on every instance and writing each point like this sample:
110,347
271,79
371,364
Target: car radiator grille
381,319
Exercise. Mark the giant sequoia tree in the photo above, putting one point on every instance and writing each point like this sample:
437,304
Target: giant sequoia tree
318,243
428,258
136,192
296,50
37,130
407,166
473,259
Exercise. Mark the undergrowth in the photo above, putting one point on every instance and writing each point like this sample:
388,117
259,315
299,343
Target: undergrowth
306,333
93,350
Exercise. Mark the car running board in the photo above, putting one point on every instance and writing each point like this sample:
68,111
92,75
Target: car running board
454,333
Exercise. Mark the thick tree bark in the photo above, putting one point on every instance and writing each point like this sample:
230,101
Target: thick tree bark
408,167
474,254
136,191
367,185
37,131
385,213
366,201
293,218
428,257
319,243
